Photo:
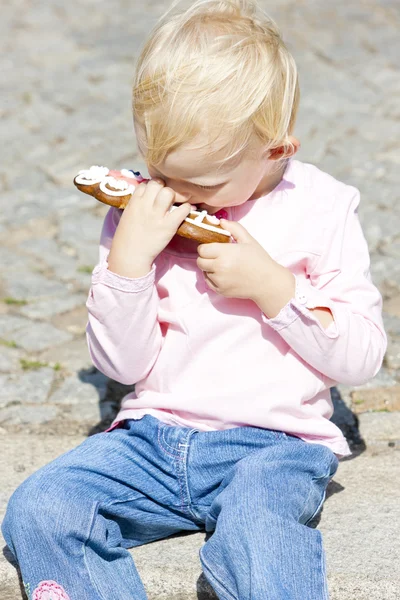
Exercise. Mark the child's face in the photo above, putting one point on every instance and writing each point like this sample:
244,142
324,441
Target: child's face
195,178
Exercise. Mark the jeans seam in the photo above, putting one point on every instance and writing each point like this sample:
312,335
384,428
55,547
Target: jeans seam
95,510
220,584
184,463
179,454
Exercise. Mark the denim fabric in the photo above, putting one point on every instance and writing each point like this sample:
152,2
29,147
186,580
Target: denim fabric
69,524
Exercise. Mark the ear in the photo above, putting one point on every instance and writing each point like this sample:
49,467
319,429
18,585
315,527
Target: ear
281,152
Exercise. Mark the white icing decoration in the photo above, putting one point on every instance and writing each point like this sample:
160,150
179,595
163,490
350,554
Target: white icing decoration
209,227
121,187
199,218
91,176
128,173
213,219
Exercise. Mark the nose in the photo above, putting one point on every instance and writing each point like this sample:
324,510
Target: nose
182,197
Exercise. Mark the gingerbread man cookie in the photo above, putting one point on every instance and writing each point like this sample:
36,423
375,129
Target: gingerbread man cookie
116,188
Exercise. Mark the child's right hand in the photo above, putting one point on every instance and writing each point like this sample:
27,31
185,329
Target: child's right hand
146,227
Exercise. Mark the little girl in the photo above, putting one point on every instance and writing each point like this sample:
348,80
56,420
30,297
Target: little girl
233,347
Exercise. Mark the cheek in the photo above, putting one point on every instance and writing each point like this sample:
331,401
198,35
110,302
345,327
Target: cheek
237,193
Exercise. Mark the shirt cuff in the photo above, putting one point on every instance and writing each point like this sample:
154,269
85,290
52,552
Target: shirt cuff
101,274
306,297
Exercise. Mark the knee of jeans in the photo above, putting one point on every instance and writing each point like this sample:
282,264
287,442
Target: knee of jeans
35,504
282,482
291,460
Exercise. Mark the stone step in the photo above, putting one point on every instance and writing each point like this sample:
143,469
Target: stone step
357,523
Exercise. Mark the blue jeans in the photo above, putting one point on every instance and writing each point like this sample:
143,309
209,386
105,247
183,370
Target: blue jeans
72,521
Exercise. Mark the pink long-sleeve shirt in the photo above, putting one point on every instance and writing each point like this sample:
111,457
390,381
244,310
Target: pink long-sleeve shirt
201,360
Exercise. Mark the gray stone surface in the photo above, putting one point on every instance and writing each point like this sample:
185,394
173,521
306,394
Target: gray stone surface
381,428
392,358
54,306
30,387
73,355
9,359
66,76
38,336
10,323
32,285
75,391
27,415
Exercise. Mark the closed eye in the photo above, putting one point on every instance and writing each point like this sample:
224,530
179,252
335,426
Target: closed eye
208,187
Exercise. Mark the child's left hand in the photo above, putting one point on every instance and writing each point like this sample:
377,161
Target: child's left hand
245,269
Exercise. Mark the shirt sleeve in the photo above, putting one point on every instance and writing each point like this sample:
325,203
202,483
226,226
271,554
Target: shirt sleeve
123,333
351,349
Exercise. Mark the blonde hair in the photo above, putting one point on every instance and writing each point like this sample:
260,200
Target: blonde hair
222,67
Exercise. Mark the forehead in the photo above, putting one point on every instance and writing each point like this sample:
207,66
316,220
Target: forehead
199,157
196,159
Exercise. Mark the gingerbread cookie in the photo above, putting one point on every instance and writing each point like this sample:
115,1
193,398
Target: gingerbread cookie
115,188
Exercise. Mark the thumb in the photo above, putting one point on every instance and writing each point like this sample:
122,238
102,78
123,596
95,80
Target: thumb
239,233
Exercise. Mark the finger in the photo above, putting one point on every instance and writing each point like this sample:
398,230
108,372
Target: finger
238,232
209,250
138,192
165,198
177,214
158,180
206,265
152,189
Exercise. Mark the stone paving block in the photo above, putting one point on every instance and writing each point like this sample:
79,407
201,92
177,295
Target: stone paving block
31,386
385,271
15,261
11,323
75,391
380,427
74,321
25,212
85,414
392,324
27,415
9,359
392,308
73,356
55,306
387,399
49,251
384,378
85,229
39,336
70,203
32,285
392,358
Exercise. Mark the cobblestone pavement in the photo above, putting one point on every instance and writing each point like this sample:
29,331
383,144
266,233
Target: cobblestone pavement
66,74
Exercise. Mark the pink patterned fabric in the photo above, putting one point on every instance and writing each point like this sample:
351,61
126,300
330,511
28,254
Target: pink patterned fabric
49,590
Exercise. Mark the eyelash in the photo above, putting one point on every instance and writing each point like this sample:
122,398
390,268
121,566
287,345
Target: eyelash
207,187
203,187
